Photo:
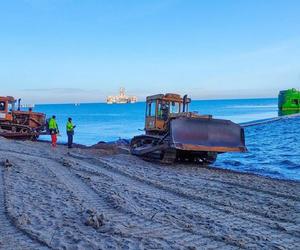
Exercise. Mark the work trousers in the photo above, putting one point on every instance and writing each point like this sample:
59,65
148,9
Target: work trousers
53,140
70,139
53,133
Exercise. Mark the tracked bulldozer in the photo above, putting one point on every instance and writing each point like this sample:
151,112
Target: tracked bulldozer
173,133
17,124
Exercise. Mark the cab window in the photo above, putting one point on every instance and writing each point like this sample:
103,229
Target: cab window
10,107
2,106
175,107
159,111
163,110
151,108
186,109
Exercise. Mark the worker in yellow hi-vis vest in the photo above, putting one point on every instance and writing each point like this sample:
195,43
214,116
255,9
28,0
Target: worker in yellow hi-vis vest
53,129
70,132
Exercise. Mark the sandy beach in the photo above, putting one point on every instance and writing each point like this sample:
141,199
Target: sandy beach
104,198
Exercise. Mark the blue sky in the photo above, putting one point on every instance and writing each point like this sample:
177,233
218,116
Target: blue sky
55,51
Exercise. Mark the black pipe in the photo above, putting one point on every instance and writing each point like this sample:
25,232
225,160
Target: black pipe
19,104
184,102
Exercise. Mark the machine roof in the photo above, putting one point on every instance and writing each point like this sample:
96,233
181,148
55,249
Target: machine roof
7,98
173,97
168,97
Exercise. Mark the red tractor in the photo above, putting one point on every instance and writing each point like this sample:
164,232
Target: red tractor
17,124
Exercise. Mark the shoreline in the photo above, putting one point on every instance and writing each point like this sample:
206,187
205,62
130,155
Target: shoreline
123,148
120,147
105,198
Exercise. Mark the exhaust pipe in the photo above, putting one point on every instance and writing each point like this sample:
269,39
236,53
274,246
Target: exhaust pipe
19,104
184,103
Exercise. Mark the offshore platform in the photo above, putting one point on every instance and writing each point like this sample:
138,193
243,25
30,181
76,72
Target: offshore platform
122,98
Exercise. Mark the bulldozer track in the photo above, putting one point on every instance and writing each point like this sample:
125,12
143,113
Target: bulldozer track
192,201
211,203
246,188
11,236
100,202
180,193
191,195
187,234
173,228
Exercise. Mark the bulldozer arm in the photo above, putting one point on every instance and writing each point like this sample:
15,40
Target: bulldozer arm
202,134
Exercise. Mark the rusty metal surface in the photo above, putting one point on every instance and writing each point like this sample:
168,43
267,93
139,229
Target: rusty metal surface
16,131
17,124
148,149
200,134
15,135
29,118
144,144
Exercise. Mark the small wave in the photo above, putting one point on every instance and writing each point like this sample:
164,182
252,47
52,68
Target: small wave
264,171
249,156
290,164
293,167
232,163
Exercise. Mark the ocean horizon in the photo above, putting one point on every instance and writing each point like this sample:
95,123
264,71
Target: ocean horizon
202,99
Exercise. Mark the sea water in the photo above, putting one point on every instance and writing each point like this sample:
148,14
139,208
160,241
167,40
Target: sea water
274,149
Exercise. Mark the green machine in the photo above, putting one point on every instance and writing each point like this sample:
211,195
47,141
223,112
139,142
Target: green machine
289,101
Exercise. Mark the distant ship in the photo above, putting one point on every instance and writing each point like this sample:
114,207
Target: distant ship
289,99
121,98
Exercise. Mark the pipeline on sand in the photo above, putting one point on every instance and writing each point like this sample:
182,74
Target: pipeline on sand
268,120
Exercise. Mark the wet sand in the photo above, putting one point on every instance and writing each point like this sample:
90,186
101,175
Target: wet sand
103,198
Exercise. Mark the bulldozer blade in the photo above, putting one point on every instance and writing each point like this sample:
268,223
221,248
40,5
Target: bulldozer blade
211,135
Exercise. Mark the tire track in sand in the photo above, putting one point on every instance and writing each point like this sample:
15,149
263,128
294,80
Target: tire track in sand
178,197
11,236
257,219
166,233
242,186
215,179
108,168
191,194
146,226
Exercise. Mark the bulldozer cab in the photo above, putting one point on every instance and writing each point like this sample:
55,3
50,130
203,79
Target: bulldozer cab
161,108
7,106
174,133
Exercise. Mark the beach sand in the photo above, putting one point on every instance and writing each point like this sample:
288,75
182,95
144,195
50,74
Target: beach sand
106,199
